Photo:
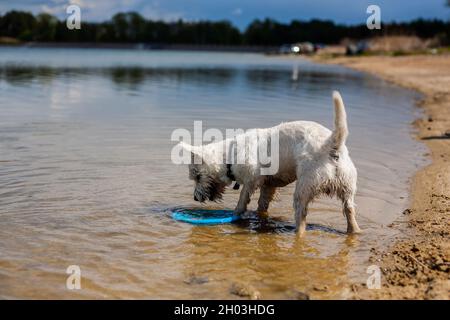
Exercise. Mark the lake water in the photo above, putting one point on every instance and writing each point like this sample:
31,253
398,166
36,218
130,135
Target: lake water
86,177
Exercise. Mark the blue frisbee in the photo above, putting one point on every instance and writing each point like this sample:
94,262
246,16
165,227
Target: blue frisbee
204,216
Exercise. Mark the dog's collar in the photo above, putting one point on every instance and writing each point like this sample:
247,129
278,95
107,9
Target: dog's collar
230,173
231,176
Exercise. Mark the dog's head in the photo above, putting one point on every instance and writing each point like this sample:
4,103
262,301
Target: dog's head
205,174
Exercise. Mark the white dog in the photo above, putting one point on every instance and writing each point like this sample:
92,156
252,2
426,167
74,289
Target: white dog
310,154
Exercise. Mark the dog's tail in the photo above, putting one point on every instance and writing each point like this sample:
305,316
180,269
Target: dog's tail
340,133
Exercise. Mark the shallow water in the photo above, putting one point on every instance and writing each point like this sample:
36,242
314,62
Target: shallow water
86,177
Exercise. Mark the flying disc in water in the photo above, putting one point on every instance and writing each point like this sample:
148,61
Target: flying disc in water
204,216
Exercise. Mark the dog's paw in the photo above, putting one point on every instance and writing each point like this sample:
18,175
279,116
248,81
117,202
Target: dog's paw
354,231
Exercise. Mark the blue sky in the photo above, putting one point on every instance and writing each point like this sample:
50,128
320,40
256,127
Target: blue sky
241,12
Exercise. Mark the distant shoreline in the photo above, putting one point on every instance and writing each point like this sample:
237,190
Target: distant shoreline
144,46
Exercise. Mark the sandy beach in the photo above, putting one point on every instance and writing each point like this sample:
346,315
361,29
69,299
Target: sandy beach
417,267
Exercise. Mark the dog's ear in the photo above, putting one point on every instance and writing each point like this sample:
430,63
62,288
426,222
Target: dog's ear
196,152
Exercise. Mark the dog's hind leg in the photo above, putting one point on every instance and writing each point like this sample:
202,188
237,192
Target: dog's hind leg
244,199
301,200
266,195
350,214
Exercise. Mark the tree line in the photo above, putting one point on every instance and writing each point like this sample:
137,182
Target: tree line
131,27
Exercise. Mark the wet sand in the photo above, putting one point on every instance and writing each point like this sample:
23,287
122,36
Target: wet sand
417,267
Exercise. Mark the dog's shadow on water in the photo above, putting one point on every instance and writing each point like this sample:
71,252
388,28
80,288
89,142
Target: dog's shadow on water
254,222
262,223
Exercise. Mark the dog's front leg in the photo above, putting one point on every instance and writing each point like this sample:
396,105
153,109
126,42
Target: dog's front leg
266,195
244,200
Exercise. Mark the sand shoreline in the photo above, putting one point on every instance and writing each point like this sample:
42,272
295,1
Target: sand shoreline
417,267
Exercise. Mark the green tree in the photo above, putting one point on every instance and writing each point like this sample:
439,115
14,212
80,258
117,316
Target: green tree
46,26
17,24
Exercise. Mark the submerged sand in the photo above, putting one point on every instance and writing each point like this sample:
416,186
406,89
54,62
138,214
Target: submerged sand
418,266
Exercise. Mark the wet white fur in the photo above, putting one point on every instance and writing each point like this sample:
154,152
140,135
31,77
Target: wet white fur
310,154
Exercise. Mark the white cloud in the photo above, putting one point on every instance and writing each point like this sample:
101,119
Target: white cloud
237,12
53,10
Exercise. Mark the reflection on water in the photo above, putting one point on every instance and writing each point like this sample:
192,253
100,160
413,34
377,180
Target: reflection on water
86,177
